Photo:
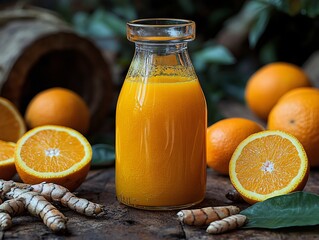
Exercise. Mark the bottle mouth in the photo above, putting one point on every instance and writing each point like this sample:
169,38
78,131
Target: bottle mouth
160,30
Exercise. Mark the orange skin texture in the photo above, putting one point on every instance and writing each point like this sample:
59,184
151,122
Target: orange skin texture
269,83
297,113
58,106
12,125
223,137
70,182
7,169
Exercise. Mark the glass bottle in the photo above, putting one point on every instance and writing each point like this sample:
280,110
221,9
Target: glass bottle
161,120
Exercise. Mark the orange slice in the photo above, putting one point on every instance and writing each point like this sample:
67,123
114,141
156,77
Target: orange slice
12,126
7,168
267,164
53,154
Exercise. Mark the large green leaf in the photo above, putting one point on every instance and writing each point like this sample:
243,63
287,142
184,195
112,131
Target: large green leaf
294,209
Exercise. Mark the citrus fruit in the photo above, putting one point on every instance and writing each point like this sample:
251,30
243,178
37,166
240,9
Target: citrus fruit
222,139
53,154
12,126
7,168
267,164
297,113
269,83
58,106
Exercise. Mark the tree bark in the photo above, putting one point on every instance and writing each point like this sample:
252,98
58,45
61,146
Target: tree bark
40,51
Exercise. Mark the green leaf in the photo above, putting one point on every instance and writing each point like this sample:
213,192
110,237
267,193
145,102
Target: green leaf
252,20
212,54
291,7
127,12
294,209
80,22
259,26
100,23
110,21
308,8
103,155
268,51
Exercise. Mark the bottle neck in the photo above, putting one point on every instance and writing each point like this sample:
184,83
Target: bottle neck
161,49
161,59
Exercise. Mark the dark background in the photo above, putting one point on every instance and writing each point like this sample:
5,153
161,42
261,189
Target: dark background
234,38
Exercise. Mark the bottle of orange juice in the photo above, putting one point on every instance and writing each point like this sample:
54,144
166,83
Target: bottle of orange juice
161,120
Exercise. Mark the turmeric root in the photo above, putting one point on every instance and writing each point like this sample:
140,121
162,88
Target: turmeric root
5,221
36,199
5,187
226,224
55,192
204,216
37,205
8,209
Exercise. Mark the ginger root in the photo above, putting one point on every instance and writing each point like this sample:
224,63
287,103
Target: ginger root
36,199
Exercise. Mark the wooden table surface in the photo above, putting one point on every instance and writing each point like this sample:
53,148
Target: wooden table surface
123,222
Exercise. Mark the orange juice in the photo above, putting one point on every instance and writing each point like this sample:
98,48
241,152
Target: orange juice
160,142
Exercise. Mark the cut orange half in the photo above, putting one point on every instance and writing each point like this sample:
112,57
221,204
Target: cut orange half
7,168
12,126
267,164
53,154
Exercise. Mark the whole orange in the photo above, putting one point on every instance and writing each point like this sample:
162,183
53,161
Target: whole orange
223,137
269,83
297,113
58,106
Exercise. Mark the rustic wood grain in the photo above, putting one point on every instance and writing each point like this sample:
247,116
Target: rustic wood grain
123,222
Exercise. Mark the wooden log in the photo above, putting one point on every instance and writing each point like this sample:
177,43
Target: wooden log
40,51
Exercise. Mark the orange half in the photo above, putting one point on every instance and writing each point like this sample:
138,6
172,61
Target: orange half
12,126
268,164
7,168
53,154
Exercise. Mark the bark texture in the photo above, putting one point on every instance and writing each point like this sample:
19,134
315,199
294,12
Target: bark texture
39,51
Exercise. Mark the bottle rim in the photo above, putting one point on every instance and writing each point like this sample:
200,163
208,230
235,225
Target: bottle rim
160,30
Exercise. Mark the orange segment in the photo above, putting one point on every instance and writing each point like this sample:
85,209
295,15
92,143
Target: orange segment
7,168
12,126
267,164
53,154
